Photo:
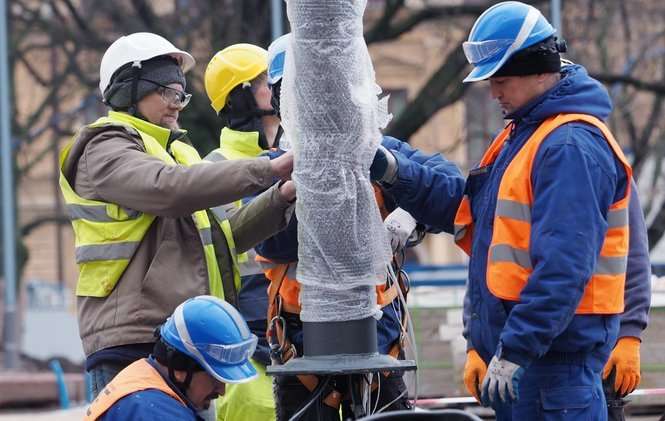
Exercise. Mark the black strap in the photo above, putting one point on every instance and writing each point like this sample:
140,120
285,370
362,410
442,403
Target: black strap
135,86
278,137
184,385
224,261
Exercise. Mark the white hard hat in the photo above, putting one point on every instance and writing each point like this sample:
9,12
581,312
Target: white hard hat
135,48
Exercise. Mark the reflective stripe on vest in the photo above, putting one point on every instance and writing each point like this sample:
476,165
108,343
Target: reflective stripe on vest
107,235
509,261
138,376
100,213
186,155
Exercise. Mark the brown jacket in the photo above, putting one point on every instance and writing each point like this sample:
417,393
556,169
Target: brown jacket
111,165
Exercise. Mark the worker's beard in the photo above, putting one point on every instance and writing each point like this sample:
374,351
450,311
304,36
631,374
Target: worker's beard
208,400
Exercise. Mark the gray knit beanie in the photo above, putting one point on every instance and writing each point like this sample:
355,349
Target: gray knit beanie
163,70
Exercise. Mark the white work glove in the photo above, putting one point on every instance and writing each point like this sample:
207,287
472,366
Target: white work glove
501,375
400,225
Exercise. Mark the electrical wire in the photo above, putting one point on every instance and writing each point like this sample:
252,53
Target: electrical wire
378,393
367,392
316,394
384,407
411,338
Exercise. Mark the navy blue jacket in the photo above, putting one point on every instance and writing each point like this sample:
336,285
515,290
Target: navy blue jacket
575,179
637,296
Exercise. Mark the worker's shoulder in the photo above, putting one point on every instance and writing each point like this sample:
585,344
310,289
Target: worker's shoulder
586,137
110,136
148,404
578,142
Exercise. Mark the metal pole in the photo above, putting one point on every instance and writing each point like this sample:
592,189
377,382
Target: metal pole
277,18
555,6
57,200
8,214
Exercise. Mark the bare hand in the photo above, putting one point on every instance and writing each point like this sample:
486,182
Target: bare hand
288,191
283,165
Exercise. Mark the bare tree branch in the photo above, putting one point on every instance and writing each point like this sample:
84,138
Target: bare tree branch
33,72
653,87
145,12
641,147
442,89
386,31
389,11
625,24
36,223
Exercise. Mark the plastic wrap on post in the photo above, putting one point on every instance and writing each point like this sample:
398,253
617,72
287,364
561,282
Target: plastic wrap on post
331,114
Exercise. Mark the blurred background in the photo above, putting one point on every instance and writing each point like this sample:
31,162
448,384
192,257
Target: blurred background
49,88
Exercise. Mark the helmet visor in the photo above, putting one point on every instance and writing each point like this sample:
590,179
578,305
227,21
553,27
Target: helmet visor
480,51
231,354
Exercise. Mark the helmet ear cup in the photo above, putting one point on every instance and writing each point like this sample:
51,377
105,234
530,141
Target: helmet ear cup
241,101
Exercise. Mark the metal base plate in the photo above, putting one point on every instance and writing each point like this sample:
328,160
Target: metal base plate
341,364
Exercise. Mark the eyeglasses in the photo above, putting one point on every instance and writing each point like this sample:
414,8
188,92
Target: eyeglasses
172,96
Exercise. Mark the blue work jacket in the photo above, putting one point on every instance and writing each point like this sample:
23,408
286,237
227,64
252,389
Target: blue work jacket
575,179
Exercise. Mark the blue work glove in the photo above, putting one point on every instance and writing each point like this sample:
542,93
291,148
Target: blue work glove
384,166
502,376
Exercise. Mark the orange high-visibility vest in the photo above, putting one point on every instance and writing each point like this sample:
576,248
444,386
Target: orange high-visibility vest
139,375
509,262
289,289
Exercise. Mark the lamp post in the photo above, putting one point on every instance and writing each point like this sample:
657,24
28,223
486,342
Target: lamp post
555,6
10,337
276,18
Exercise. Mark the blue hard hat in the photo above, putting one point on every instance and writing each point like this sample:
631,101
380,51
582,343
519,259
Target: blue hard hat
276,57
214,334
501,31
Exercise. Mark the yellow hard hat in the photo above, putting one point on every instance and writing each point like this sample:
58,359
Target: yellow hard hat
230,67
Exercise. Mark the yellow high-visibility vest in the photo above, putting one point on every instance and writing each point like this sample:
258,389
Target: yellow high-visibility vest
106,234
234,144
185,154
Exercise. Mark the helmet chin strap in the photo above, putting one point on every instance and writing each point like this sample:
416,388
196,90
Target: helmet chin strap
133,109
278,136
243,114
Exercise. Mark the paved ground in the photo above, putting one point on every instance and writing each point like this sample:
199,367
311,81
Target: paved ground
77,414
41,415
